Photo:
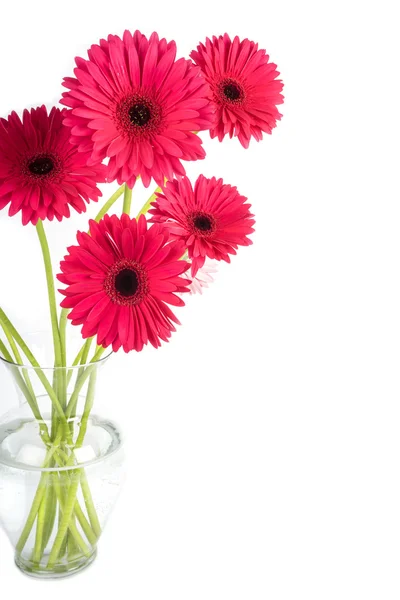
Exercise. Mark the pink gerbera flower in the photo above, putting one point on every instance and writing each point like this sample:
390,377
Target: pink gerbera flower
120,280
133,103
41,173
243,87
212,220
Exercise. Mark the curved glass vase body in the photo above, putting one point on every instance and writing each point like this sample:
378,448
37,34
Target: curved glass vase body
61,469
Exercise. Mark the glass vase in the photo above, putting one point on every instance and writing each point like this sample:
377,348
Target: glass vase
61,468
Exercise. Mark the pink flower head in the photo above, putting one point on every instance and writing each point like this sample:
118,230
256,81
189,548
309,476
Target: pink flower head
212,220
120,280
243,86
134,103
41,173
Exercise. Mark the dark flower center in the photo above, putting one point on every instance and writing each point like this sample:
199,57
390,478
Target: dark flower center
139,114
232,91
127,282
203,223
42,165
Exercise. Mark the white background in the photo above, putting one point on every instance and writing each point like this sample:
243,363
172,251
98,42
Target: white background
263,441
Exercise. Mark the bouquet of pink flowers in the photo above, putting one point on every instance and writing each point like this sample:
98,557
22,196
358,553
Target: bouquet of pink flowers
131,111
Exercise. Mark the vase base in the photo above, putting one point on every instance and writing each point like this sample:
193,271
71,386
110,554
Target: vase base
58,571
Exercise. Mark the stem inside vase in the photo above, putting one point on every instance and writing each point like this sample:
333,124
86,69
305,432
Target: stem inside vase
62,526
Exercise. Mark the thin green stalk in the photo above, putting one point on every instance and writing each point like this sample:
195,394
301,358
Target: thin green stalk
66,518
90,370
51,511
41,519
58,378
83,522
84,358
18,359
81,380
33,512
72,527
51,291
29,396
94,521
73,401
40,504
74,364
87,409
91,510
63,330
72,547
71,498
4,320
109,203
127,200
13,345
5,352
36,502
63,342
98,354
85,354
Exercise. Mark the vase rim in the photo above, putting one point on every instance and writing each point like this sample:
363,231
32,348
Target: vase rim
117,445
99,361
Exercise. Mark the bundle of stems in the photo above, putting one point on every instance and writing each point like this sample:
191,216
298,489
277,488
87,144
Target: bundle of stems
61,478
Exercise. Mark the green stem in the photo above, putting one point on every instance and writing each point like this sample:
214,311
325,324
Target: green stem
91,510
18,359
13,345
85,354
29,395
51,511
84,357
39,507
127,200
98,354
63,328
72,527
41,519
87,409
109,203
36,502
51,291
5,352
58,379
74,364
84,523
33,512
63,373
90,370
4,320
79,385
66,518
